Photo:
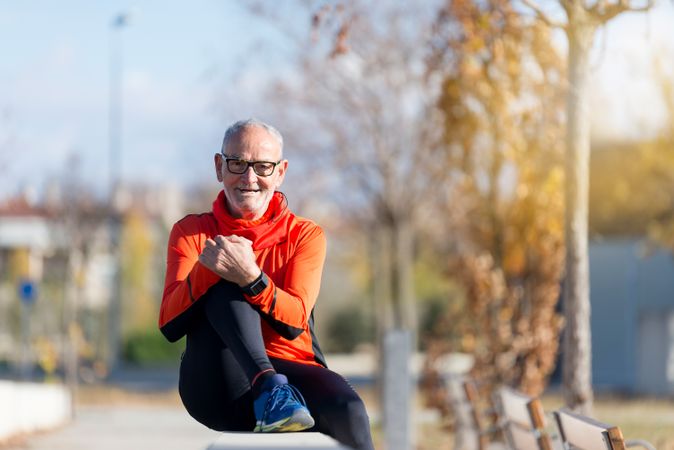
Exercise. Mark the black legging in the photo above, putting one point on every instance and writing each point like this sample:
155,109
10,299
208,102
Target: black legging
225,351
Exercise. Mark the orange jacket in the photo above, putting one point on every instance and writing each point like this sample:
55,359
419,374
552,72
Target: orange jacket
289,249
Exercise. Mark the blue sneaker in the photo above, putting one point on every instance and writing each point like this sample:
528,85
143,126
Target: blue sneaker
280,407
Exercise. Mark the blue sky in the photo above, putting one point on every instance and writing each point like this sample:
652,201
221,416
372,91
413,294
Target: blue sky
178,60
54,78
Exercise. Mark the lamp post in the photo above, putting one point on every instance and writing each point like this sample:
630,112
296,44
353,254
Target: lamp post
115,176
115,103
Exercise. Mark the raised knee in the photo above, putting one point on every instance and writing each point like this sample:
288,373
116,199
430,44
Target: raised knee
223,289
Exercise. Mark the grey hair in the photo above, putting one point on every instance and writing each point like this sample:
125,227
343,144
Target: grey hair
236,127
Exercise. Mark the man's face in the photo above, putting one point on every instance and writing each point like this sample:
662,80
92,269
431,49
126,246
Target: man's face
248,194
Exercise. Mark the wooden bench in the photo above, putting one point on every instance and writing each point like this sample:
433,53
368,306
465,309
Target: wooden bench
270,441
510,419
475,420
522,420
579,432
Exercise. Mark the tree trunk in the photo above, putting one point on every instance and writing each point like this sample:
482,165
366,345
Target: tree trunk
399,340
382,278
577,363
381,292
404,276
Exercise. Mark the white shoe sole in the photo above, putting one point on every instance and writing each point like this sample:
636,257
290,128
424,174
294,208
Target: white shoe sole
300,420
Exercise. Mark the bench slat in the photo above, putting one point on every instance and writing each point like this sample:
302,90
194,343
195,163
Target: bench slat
584,432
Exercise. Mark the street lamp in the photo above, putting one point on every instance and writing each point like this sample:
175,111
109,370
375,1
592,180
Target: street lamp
115,176
115,103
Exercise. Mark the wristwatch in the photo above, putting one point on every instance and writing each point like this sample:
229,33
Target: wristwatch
256,286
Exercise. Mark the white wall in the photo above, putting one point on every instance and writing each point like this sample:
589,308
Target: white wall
28,407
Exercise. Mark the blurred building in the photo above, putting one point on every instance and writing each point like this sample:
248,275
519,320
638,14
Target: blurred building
24,242
63,245
632,297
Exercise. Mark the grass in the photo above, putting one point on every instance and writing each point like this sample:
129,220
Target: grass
645,418
638,418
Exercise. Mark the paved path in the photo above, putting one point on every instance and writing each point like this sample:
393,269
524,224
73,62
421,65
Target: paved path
126,428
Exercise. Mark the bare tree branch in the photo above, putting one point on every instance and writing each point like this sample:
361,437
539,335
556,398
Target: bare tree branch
543,16
608,11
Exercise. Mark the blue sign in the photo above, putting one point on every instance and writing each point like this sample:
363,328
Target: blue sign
27,291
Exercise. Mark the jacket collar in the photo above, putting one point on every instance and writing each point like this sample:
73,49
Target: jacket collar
264,232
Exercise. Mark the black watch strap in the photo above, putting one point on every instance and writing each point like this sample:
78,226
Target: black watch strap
256,286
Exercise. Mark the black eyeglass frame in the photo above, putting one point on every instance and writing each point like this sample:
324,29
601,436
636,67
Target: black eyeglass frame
252,164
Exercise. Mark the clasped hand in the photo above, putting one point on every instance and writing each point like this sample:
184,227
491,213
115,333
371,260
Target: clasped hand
232,258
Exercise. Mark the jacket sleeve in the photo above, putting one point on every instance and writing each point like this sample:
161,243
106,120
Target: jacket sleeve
288,310
186,280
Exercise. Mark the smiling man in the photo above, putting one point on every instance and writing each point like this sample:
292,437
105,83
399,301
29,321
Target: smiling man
241,284
248,192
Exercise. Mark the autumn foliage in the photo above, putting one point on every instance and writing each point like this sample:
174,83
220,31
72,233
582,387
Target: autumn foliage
502,100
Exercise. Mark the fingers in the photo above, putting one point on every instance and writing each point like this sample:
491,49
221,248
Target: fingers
207,260
230,257
210,243
238,239
210,253
247,241
224,247
221,241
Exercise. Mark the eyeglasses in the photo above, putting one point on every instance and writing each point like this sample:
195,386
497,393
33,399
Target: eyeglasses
239,166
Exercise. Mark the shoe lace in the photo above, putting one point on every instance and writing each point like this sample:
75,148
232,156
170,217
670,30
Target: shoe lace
280,397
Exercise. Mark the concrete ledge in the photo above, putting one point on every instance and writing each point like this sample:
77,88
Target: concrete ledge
269,441
28,407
